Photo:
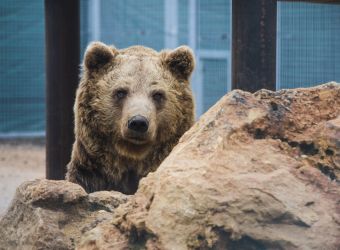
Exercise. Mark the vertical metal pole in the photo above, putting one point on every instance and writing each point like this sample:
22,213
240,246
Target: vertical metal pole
62,66
278,47
197,81
94,20
171,23
254,44
229,86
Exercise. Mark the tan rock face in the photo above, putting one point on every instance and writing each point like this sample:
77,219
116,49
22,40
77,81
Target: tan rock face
48,214
258,171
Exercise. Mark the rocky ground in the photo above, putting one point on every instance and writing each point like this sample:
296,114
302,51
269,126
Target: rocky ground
20,160
257,171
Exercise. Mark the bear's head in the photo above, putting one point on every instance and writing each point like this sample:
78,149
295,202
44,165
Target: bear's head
133,99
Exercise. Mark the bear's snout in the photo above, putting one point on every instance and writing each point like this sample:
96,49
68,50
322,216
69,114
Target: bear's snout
138,124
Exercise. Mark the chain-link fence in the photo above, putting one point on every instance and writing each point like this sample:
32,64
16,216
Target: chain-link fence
308,51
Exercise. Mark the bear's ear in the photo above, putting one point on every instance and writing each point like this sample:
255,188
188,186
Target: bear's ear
98,54
180,62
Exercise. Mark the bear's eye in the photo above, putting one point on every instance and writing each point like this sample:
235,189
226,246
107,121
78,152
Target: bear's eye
158,96
120,94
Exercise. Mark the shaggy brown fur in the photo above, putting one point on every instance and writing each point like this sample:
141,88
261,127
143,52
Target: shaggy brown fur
115,86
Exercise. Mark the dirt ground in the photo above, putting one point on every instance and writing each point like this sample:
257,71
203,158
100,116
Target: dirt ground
20,160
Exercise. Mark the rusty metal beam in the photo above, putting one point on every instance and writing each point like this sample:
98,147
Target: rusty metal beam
254,44
62,66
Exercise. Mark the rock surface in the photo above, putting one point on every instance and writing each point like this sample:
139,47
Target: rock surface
258,171
47,214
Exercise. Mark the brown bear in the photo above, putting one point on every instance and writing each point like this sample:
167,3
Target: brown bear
132,106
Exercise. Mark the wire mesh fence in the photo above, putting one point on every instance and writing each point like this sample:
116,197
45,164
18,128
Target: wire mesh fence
22,102
308,51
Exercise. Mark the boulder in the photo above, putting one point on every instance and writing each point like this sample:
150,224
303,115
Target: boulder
47,214
257,171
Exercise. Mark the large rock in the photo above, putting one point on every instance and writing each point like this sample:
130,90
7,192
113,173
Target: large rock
258,171
47,214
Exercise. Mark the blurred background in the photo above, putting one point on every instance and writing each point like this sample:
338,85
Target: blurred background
308,53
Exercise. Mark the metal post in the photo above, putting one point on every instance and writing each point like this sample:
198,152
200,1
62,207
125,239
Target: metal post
253,44
171,23
94,20
197,78
62,66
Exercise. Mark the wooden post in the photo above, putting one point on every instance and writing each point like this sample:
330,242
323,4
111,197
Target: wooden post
62,69
254,44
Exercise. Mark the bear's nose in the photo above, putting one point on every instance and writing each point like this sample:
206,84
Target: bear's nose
138,124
